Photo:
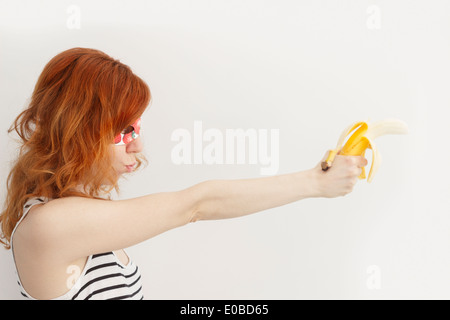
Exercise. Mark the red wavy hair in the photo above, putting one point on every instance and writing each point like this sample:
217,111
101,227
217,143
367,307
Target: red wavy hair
82,99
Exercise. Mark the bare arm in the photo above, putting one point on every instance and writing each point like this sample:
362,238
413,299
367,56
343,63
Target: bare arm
76,227
80,227
222,199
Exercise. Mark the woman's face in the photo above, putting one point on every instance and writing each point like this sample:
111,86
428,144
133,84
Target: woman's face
123,153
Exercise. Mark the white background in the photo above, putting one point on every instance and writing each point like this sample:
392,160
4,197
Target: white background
307,68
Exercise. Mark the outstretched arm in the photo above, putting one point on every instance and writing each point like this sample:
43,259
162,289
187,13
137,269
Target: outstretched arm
76,227
222,199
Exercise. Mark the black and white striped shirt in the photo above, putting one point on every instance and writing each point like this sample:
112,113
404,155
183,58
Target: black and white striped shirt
103,277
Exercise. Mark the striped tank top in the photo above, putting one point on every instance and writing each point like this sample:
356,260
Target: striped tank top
103,277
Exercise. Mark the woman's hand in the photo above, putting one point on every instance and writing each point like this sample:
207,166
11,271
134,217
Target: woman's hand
340,178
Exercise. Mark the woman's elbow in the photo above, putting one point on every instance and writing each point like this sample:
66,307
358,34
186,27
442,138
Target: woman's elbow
197,195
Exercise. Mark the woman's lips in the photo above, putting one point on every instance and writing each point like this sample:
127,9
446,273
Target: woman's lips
130,167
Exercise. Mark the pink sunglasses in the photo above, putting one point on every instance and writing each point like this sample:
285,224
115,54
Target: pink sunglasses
129,134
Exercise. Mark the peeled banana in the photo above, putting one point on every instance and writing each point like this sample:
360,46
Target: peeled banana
361,139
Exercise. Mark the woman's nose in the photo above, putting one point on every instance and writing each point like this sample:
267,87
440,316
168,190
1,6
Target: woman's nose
135,146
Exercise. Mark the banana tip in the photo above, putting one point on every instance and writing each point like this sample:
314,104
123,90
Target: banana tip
325,165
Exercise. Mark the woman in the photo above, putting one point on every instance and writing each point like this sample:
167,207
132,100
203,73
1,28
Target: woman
80,133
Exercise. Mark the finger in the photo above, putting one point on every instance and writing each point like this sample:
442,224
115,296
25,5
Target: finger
362,162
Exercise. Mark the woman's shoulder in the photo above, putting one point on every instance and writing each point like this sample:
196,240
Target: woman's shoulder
37,224
43,205
33,209
37,207
31,206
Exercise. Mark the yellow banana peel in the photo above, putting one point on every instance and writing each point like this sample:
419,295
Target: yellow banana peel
364,133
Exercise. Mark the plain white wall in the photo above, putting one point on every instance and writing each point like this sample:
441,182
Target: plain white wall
306,68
